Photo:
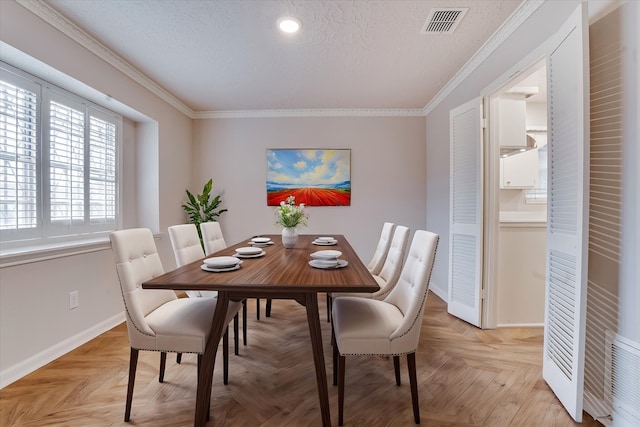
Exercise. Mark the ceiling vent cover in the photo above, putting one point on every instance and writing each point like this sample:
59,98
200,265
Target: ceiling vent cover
443,20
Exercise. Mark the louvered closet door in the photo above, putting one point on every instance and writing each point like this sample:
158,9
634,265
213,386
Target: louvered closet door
568,89
465,221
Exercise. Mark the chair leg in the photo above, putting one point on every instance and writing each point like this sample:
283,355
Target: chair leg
244,322
341,367
225,357
333,336
258,308
236,338
178,358
268,309
133,363
163,364
411,364
396,368
335,358
329,302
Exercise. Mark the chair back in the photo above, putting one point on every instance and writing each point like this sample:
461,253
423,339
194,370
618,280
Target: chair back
410,293
212,237
377,261
137,260
187,249
185,243
390,273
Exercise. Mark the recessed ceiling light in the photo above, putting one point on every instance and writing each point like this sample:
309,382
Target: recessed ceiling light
289,24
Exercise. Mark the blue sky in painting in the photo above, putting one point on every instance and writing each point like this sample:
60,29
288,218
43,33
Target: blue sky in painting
308,168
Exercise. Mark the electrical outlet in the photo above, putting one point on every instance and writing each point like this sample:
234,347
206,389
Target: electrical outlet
74,299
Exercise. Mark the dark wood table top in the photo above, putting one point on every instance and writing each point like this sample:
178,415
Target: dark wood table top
279,271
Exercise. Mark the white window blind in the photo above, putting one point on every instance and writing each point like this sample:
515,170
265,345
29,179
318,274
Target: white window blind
66,164
59,167
102,165
18,155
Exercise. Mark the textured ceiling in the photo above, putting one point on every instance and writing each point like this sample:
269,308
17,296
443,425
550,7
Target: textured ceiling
228,55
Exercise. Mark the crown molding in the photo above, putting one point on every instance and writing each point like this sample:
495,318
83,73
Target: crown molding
62,24
521,14
346,112
58,21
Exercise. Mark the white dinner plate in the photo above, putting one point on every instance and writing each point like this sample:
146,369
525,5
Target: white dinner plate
261,239
316,263
325,263
261,245
248,251
325,242
326,254
325,239
258,255
205,267
221,261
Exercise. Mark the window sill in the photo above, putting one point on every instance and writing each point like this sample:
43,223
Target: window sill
31,254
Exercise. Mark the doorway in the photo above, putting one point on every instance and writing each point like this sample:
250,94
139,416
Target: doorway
521,110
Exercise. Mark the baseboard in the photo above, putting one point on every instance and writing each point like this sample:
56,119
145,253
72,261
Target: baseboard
15,372
441,293
520,325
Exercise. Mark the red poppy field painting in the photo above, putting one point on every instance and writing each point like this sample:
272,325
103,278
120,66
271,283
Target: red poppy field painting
313,177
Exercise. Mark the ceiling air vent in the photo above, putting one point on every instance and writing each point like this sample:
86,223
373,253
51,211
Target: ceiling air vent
443,20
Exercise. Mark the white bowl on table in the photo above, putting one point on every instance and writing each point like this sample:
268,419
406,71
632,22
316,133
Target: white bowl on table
326,254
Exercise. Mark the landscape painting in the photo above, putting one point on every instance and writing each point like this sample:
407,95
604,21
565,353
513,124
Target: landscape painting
313,177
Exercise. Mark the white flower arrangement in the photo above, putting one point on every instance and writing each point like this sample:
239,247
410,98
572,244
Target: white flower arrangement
289,215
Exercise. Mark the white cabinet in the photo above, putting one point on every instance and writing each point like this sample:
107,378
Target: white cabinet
512,122
519,170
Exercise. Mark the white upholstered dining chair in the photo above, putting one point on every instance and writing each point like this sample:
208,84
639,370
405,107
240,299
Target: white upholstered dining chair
187,249
377,260
157,320
213,240
389,327
392,267
390,273
212,237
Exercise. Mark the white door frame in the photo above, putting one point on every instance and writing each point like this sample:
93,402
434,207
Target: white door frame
492,178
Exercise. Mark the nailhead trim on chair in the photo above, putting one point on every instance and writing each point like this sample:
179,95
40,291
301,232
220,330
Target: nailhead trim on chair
166,351
126,309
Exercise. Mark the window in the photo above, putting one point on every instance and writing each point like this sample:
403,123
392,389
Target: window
58,163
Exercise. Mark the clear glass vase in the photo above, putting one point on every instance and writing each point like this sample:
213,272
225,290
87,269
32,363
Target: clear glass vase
289,237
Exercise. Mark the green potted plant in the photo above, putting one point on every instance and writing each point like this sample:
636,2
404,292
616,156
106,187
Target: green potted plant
202,208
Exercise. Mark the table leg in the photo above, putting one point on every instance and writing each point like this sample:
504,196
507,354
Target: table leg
313,317
205,376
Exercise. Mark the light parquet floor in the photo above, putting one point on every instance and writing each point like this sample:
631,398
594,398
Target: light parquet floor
466,377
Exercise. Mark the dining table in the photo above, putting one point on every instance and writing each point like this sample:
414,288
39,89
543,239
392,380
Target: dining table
279,273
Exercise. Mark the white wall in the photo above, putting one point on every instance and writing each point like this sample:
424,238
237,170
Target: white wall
388,177
36,324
